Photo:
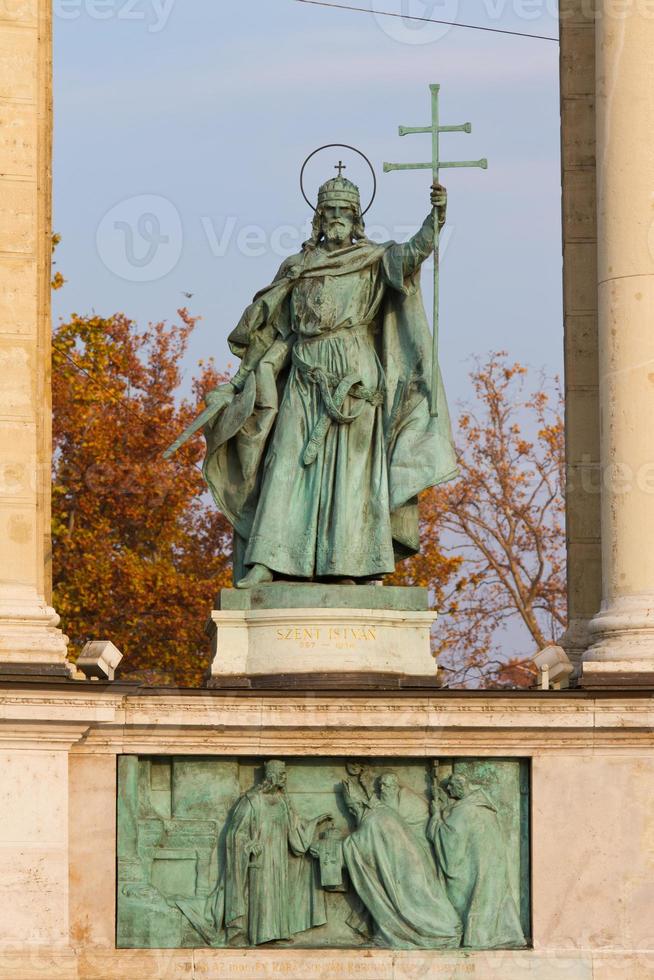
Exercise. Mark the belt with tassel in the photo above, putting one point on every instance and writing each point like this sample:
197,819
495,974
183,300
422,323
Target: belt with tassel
333,392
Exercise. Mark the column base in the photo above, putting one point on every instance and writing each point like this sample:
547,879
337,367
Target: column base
30,641
622,654
634,675
575,641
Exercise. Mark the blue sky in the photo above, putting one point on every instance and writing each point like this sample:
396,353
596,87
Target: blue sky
181,125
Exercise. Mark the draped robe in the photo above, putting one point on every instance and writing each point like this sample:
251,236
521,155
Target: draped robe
274,895
394,875
271,896
319,459
471,853
412,808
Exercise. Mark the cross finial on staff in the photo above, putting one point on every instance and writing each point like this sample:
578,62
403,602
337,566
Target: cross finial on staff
435,165
340,166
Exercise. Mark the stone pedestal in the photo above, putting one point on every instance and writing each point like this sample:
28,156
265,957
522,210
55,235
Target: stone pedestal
330,631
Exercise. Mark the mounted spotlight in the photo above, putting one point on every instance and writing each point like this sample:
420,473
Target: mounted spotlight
554,668
99,660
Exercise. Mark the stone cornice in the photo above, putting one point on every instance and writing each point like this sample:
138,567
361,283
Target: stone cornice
111,720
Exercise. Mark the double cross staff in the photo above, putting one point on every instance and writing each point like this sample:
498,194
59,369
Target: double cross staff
435,166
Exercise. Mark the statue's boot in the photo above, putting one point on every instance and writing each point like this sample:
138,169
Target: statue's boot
258,575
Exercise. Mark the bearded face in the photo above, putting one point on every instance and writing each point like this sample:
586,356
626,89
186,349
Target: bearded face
389,786
275,774
338,224
457,787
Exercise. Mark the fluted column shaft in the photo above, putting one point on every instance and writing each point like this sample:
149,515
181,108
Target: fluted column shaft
29,637
623,631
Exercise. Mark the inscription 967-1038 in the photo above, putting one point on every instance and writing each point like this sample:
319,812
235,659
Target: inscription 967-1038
348,853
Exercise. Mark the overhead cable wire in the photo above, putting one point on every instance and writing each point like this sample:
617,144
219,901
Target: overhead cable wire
427,20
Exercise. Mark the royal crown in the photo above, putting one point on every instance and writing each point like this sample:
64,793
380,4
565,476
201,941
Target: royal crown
339,191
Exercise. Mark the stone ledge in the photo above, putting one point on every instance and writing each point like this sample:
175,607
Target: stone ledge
313,595
20,671
34,963
618,674
298,683
113,719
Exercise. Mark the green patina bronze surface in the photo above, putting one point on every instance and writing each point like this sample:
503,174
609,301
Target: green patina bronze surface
319,446
435,165
312,595
401,853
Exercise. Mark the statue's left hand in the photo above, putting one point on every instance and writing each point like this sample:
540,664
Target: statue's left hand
439,199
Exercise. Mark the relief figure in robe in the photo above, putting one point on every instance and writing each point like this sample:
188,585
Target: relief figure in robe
362,779
473,861
412,807
270,888
323,439
393,875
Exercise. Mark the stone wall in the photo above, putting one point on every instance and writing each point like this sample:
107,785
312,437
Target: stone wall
592,820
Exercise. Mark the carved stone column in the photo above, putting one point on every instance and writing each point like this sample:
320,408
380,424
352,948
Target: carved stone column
583,523
623,630
29,638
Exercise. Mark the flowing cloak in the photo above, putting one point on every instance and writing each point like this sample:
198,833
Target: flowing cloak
395,878
272,896
412,808
419,449
472,857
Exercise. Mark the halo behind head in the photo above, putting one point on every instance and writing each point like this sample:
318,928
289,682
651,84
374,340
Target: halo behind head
342,182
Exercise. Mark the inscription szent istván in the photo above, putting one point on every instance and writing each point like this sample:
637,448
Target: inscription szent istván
315,853
330,634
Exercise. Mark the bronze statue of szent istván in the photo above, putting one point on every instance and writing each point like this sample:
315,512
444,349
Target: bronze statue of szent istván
323,439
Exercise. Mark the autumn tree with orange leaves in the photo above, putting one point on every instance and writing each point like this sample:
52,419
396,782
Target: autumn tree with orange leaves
139,553
498,531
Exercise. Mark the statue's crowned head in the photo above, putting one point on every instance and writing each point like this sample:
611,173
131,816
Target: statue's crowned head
340,191
338,215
